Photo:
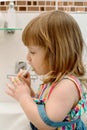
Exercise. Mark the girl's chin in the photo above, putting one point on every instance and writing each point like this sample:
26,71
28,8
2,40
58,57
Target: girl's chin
39,73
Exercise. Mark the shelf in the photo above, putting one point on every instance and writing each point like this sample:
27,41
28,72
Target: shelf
10,29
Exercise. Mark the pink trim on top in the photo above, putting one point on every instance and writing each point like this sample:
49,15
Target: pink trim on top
74,79
77,82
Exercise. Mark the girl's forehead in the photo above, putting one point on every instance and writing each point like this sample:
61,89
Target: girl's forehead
35,47
38,49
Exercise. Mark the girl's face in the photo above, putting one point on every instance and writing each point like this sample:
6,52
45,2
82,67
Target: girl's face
37,59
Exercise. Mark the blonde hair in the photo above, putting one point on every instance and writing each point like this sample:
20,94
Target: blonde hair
61,37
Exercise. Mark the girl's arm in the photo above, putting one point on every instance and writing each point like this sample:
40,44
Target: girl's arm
21,92
61,101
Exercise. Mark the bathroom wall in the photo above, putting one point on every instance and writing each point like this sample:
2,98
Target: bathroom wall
11,51
46,5
11,46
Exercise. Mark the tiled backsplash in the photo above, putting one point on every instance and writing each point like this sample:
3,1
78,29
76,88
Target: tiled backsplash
46,5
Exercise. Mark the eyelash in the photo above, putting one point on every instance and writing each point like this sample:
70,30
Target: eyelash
32,52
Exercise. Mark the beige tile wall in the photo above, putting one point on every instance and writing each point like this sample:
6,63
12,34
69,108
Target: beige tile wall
46,5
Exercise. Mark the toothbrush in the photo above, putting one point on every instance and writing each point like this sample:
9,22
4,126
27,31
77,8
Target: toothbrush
26,71
24,74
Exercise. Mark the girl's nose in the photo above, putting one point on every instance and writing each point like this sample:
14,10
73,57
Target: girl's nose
29,58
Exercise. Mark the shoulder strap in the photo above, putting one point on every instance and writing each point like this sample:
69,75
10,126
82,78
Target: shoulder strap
51,89
79,124
72,78
77,82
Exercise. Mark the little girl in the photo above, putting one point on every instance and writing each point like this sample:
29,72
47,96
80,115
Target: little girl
55,46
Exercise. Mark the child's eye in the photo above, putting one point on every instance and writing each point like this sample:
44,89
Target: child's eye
32,52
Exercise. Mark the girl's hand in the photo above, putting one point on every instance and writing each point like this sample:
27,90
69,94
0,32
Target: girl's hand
26,78
18,89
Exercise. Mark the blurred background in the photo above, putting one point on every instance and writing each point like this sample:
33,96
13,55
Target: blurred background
14,15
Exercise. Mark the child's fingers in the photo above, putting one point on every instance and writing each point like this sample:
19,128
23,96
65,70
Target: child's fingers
10,87
23,77
17,82
14,81
21,72
10,91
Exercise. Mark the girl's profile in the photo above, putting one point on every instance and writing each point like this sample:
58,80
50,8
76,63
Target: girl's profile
55,45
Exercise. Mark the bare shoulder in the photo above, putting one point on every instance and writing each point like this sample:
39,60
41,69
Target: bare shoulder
62,99
68,90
